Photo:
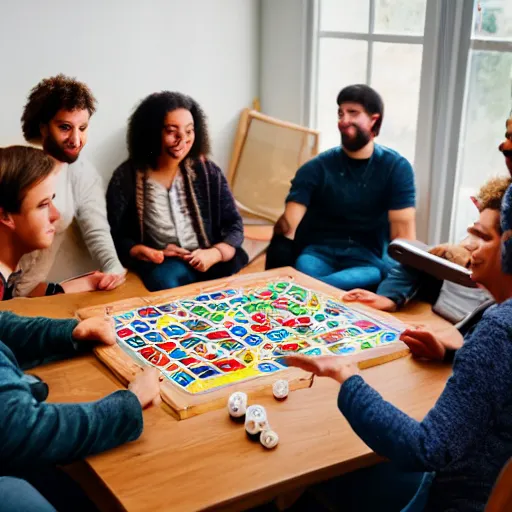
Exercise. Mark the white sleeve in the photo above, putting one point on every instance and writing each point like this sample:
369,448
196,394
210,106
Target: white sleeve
91,215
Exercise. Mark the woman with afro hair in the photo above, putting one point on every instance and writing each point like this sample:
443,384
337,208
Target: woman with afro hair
172,216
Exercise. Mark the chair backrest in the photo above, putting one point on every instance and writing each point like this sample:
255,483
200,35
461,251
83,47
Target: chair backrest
266,155
501,495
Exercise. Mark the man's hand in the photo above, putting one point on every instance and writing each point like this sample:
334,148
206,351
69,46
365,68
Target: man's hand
146,387
145,253
111,281
335,367
454,253
173,251
87,283
370,299
204,259
424,344
96,328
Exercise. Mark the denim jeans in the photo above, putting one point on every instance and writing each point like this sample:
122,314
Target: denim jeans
174,272
348,267
17,495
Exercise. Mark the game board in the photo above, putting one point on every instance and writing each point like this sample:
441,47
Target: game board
209,344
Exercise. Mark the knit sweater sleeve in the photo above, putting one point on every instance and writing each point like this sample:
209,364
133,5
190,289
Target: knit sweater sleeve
91,215
35,340
480,384
231,224
120,194
36,433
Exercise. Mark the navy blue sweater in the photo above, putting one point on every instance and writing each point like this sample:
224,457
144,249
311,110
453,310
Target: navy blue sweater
34,433
467,437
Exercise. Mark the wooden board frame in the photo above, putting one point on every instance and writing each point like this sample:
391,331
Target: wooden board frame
184,405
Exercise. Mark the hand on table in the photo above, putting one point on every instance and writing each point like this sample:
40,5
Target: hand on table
111,281
97,328
423,344
335,367
146,387
87,283
370,299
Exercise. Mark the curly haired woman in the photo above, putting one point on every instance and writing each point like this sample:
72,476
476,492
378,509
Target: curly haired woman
173,218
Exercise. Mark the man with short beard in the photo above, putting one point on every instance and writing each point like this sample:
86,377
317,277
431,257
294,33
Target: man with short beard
346,204
56,117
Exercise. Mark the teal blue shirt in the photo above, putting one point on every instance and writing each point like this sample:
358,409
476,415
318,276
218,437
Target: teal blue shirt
36,434
349,200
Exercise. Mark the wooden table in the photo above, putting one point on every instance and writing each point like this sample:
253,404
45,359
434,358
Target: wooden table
206,462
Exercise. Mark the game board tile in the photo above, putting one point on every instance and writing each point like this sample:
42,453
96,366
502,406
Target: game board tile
154,356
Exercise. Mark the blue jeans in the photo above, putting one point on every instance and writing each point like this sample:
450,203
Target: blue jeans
174,272
17,495
347,267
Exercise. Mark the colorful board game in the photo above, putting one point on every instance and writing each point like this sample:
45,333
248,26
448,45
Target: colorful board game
216,339
215,342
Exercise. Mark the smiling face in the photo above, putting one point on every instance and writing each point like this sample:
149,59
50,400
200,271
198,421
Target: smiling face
355,125
178,134
486,248
65,135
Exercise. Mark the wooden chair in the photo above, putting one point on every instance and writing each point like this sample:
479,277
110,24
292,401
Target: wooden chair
266,155
501,496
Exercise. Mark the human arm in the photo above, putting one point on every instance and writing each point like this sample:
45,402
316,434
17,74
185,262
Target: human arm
402,201
91,216
429,345
35,340
402,223
479,385
121,212
289,221
460,418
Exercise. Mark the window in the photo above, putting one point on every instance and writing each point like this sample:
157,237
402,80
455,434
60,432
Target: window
487,103
378,42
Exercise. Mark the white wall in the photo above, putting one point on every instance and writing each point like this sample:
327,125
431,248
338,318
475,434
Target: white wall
126,49
284,59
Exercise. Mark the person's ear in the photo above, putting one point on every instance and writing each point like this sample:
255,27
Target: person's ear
7,219
374,118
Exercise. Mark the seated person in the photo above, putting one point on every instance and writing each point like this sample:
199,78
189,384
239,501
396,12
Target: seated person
453,302
347,203
465,438
173,218
35,436
56,117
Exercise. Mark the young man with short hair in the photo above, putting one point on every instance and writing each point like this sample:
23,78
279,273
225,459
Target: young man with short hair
35,435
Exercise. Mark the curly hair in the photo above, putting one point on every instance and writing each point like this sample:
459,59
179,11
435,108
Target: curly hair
48,97
144,137
21,167
491,193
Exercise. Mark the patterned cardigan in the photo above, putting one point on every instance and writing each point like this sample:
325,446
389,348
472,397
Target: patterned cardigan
214,213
